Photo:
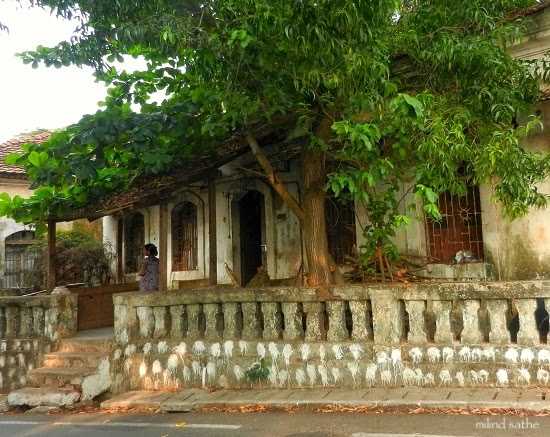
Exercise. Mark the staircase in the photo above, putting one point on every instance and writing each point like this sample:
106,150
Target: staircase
78,371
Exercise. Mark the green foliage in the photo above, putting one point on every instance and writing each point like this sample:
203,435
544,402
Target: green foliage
79,258
257,372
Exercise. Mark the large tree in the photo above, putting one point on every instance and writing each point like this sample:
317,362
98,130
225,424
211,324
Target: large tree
226,67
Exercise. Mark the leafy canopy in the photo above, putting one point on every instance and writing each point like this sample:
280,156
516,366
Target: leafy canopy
416,89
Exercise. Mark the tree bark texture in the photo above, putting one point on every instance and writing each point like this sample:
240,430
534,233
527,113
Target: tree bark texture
313,202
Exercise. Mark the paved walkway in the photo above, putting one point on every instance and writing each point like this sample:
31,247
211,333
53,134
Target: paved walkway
465,398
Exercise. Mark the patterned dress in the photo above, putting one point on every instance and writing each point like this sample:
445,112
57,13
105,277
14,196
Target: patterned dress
150,280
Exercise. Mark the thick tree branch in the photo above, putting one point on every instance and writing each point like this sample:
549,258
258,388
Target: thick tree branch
273,179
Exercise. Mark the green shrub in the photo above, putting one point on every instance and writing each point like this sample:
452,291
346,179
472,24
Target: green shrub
79,258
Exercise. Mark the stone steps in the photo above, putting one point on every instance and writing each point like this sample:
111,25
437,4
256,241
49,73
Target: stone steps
36,397
54,377
73,359
86,345
78,371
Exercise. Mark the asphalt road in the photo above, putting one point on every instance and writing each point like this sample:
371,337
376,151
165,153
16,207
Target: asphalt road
270,424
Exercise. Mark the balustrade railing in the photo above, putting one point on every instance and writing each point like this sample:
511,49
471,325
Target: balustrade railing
439,313
49,317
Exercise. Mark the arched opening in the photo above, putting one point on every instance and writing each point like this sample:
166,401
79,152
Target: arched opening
134,240
184,237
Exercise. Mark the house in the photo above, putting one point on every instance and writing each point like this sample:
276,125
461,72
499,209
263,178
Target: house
510,250
214,217
15,238
15,261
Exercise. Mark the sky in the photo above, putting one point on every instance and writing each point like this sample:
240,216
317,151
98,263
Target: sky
42,98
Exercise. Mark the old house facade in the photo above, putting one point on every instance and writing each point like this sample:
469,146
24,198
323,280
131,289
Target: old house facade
15,237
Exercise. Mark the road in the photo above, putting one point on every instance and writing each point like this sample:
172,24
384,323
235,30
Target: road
301,423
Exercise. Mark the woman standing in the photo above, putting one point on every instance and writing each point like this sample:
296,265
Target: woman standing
150,269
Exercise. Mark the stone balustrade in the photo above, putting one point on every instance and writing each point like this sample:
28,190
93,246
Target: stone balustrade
48,317
417,314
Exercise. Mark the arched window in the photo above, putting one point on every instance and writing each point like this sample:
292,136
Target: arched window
184,237
19,260
134,240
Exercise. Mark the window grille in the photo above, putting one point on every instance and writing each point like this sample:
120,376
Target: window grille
340,224
134,241
184,237
459,228
19,260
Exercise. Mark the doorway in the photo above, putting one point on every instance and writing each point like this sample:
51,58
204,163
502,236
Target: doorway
251,224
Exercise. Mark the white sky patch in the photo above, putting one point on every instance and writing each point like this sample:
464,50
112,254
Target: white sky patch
42,98
46,97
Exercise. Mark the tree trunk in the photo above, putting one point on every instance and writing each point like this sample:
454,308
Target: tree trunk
322,269
313,202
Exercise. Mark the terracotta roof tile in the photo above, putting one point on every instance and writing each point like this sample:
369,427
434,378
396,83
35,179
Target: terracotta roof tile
14,145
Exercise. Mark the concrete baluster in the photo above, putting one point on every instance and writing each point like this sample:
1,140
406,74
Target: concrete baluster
193,315
497,309
25,327
417,322
336,312
273,328
361,329
251,321
2,322
11,321
162,322
387,319
443,332
126,322
51,323
231,330
211,314
146,320
38,321
293,321
528,333
315,321
471,334
177,327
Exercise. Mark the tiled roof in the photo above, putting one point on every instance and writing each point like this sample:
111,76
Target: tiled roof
14,145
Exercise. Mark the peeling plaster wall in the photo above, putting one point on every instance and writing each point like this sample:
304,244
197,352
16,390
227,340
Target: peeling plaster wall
520,249
282,228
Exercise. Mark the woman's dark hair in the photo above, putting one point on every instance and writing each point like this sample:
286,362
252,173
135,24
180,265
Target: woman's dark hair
152,249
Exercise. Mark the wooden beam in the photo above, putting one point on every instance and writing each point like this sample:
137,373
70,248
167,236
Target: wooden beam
51,267
119,253
212,234
163,246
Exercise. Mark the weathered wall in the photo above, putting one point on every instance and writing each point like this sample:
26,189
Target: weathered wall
281,228
16,358
416,335
14,187
29,327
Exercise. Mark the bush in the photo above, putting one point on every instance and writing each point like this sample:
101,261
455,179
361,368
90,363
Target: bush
79,258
